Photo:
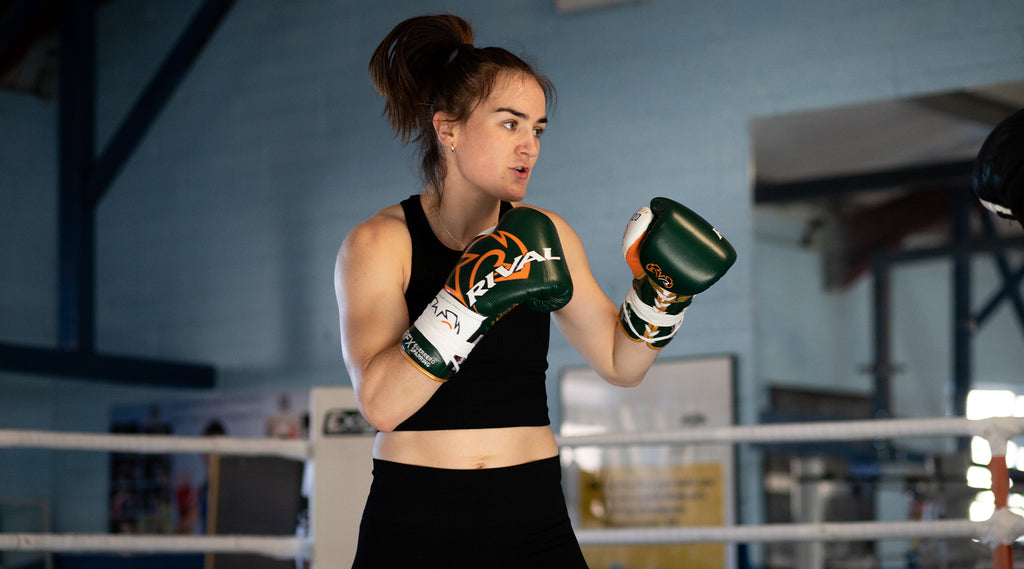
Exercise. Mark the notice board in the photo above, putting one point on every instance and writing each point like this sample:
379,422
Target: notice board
652,485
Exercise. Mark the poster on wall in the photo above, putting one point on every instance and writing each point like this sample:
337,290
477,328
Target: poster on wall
652,485
167,493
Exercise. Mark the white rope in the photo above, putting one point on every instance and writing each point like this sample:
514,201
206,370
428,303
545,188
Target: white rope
155,444
1004,527
812,431
300,450
292,547
835,531
277,547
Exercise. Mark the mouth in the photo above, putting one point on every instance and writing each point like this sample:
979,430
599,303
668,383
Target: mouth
521,171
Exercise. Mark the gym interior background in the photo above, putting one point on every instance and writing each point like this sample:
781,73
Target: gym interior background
825,139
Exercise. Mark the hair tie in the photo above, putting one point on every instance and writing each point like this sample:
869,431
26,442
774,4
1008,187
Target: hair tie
468,47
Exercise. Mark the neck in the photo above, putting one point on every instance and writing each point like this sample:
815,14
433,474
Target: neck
457,222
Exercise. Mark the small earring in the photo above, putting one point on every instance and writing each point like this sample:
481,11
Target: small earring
453,148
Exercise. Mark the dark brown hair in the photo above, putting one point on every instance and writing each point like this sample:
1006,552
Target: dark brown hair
428,64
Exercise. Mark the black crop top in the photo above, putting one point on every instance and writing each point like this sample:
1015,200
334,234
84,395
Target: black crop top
501,383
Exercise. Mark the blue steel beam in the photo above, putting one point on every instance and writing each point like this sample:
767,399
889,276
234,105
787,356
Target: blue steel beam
963,324
1011,280
972,247
1010,284
881,305
931,174
117,369
160,88
76,218
82,181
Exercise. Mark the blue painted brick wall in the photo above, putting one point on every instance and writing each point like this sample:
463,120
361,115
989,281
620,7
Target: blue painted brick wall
217,241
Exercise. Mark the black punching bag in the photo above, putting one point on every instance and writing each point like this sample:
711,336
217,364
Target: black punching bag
998,177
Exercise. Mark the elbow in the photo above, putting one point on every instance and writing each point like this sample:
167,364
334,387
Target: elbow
386,426
621,381
375,407
634,383
627,382
625,379
380,419
385,418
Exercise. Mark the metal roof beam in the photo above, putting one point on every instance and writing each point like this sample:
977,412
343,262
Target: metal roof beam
118,369
152,100
82,183
930,174
1011,280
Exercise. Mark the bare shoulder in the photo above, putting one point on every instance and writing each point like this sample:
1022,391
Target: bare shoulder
378,248
383,231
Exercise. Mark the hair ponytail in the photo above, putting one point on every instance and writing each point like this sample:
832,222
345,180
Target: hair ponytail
428,64
407,65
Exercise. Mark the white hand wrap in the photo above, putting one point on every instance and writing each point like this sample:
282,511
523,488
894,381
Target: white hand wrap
448,325
651,315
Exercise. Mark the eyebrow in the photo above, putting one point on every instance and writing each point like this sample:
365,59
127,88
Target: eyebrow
519,114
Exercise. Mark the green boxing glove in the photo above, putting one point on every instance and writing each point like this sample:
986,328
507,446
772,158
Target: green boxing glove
673,254
519,261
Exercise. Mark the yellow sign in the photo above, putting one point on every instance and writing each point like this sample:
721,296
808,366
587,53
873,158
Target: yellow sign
653,496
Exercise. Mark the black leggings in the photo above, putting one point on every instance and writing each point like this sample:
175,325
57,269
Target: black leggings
419,517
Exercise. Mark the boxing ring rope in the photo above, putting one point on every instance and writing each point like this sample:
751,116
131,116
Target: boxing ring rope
276,547
156,444
271,546
999,531
776,533
810,431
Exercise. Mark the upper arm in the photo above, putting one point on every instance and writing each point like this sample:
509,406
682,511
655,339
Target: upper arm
590,321
370,276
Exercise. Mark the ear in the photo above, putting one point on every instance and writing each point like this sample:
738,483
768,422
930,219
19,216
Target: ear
446,128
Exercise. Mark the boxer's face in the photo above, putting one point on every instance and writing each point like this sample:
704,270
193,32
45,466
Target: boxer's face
497,147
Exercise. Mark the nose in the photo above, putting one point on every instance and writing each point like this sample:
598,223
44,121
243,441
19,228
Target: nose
530,145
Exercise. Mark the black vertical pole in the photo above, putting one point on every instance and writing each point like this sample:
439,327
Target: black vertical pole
76,316
962,322
80,189
881,311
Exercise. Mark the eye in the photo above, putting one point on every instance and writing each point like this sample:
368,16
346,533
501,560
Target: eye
510,125
538,131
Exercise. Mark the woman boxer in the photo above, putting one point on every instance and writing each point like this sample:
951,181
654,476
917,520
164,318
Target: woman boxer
444,302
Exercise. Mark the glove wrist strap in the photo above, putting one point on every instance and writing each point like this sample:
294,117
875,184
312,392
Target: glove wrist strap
651,324
656,314
443,336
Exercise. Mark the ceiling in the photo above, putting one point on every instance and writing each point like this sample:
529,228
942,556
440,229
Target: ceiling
881,135
877,175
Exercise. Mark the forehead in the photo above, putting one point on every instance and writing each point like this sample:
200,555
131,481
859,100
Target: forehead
519,92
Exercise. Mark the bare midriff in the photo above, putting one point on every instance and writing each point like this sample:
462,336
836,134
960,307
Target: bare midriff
468,448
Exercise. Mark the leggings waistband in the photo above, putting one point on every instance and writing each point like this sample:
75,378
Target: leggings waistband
506,493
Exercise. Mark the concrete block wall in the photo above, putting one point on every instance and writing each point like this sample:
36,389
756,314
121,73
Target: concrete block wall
216,243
